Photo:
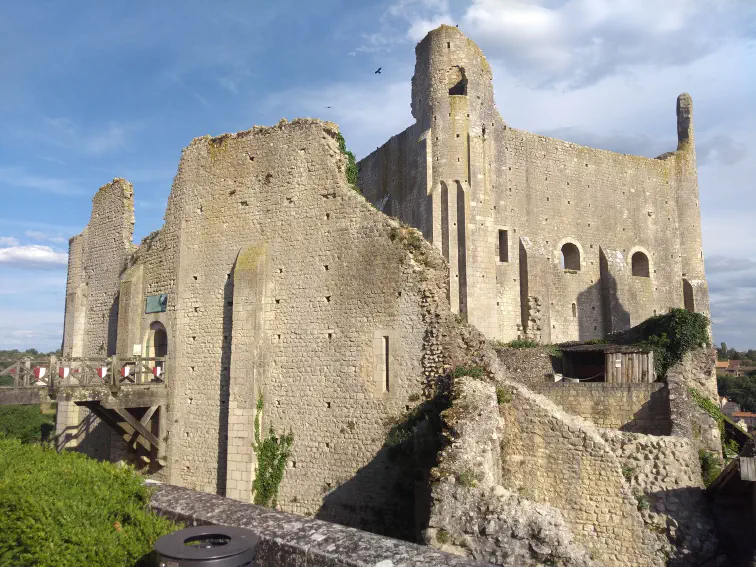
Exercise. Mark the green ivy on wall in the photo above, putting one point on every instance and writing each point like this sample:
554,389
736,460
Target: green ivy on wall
272,453
351,169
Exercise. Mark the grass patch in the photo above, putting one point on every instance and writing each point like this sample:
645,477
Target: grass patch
471,371
65,510
522,343
352,173
628,472
467,479
503,395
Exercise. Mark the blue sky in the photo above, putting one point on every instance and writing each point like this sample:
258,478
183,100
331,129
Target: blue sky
97,90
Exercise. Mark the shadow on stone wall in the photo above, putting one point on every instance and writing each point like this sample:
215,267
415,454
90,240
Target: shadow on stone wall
653,417
391,494
225,382
112,327
685,525
614,317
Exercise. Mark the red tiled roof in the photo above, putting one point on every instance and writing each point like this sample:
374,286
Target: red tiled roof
735,363
723,363
743,414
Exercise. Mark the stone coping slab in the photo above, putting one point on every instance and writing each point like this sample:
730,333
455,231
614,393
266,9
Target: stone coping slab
288,540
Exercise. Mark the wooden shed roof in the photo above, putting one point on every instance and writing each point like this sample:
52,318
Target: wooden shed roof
605,348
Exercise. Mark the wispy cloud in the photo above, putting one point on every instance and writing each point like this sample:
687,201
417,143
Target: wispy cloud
8,241
19,178
33,257
43,236
98,140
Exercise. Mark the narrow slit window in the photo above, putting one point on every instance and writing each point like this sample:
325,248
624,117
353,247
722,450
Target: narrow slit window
386,374
574,310
503,246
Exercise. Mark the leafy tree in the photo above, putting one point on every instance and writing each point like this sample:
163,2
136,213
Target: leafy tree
26,423
739,389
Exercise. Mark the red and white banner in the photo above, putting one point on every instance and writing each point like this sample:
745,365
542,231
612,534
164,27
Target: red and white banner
125,371
102,371
64,371
39,373
157,371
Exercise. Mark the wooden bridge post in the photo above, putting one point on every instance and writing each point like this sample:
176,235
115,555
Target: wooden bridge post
53,370
27,372
115,371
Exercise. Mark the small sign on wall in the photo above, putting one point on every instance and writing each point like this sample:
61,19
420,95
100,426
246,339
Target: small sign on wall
156,303
136,350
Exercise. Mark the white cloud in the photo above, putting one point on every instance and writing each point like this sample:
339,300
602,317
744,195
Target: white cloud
8,241
420,28
578,42
33,256
18,178
39,235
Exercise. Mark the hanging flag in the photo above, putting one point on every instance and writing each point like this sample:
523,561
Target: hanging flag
64,371
157,371
102,371
125,371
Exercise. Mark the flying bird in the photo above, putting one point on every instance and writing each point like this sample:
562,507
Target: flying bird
378,71
328,107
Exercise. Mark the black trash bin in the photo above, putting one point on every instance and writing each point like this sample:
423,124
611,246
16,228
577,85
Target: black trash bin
207,546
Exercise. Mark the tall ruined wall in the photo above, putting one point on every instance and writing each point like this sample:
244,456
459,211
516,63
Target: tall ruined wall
287,283
505,201
98,257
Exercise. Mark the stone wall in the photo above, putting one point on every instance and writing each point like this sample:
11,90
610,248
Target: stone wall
664,475
552,457
472,514
636,408
533,367
500,204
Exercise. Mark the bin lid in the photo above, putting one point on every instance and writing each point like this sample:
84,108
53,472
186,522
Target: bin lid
208,542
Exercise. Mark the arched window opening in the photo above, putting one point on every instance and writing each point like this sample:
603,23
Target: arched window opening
570,257
640,265
457,81
157,341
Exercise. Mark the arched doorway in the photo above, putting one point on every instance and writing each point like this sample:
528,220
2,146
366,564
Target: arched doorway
156,344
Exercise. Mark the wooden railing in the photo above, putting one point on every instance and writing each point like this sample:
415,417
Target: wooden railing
85,372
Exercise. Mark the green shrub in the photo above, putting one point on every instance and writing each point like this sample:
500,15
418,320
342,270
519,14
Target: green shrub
26,423
66,510
442,536
628,472
643,502
710,466
272,453
670,336
467,478
522,343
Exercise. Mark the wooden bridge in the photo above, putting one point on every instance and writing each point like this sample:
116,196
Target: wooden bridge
129,395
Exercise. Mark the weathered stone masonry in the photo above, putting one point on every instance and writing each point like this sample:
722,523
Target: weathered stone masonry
503,205
283,281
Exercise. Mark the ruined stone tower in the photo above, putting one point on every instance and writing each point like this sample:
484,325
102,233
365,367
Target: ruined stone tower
544,238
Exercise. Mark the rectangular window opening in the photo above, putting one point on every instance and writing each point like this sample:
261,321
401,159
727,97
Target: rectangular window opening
386,363
503,246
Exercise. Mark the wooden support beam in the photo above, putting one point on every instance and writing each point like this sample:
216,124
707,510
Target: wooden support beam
135,423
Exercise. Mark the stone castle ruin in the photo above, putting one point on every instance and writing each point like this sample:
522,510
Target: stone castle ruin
273,277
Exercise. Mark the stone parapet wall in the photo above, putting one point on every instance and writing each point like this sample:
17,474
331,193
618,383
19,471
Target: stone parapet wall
286,539
637,408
